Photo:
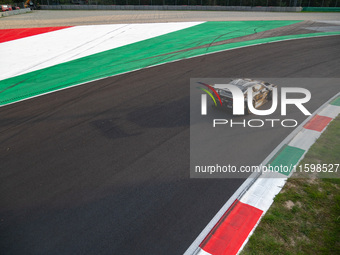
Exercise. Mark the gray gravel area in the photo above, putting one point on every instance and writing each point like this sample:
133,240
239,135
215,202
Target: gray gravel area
44,18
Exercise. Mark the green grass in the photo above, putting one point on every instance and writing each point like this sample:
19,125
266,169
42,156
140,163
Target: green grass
305,215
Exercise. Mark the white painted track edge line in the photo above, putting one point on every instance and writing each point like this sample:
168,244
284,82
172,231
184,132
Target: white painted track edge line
163,64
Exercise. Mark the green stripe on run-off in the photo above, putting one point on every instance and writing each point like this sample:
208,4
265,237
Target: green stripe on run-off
177,45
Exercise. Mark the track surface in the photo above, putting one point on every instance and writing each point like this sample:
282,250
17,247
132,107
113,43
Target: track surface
104,168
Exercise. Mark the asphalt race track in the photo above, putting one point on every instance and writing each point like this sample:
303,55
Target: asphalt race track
103,168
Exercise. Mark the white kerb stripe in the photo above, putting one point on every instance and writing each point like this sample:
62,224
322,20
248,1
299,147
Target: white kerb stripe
305,139
330,111
261,194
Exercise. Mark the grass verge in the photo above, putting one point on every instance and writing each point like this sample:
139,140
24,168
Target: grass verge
305,215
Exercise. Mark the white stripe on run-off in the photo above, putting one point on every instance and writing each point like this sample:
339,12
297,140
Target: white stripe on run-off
44,50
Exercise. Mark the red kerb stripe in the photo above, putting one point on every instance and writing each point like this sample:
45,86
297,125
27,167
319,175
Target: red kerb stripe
317,123
18,33
227,237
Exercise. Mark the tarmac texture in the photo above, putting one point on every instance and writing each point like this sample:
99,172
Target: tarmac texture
103,168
